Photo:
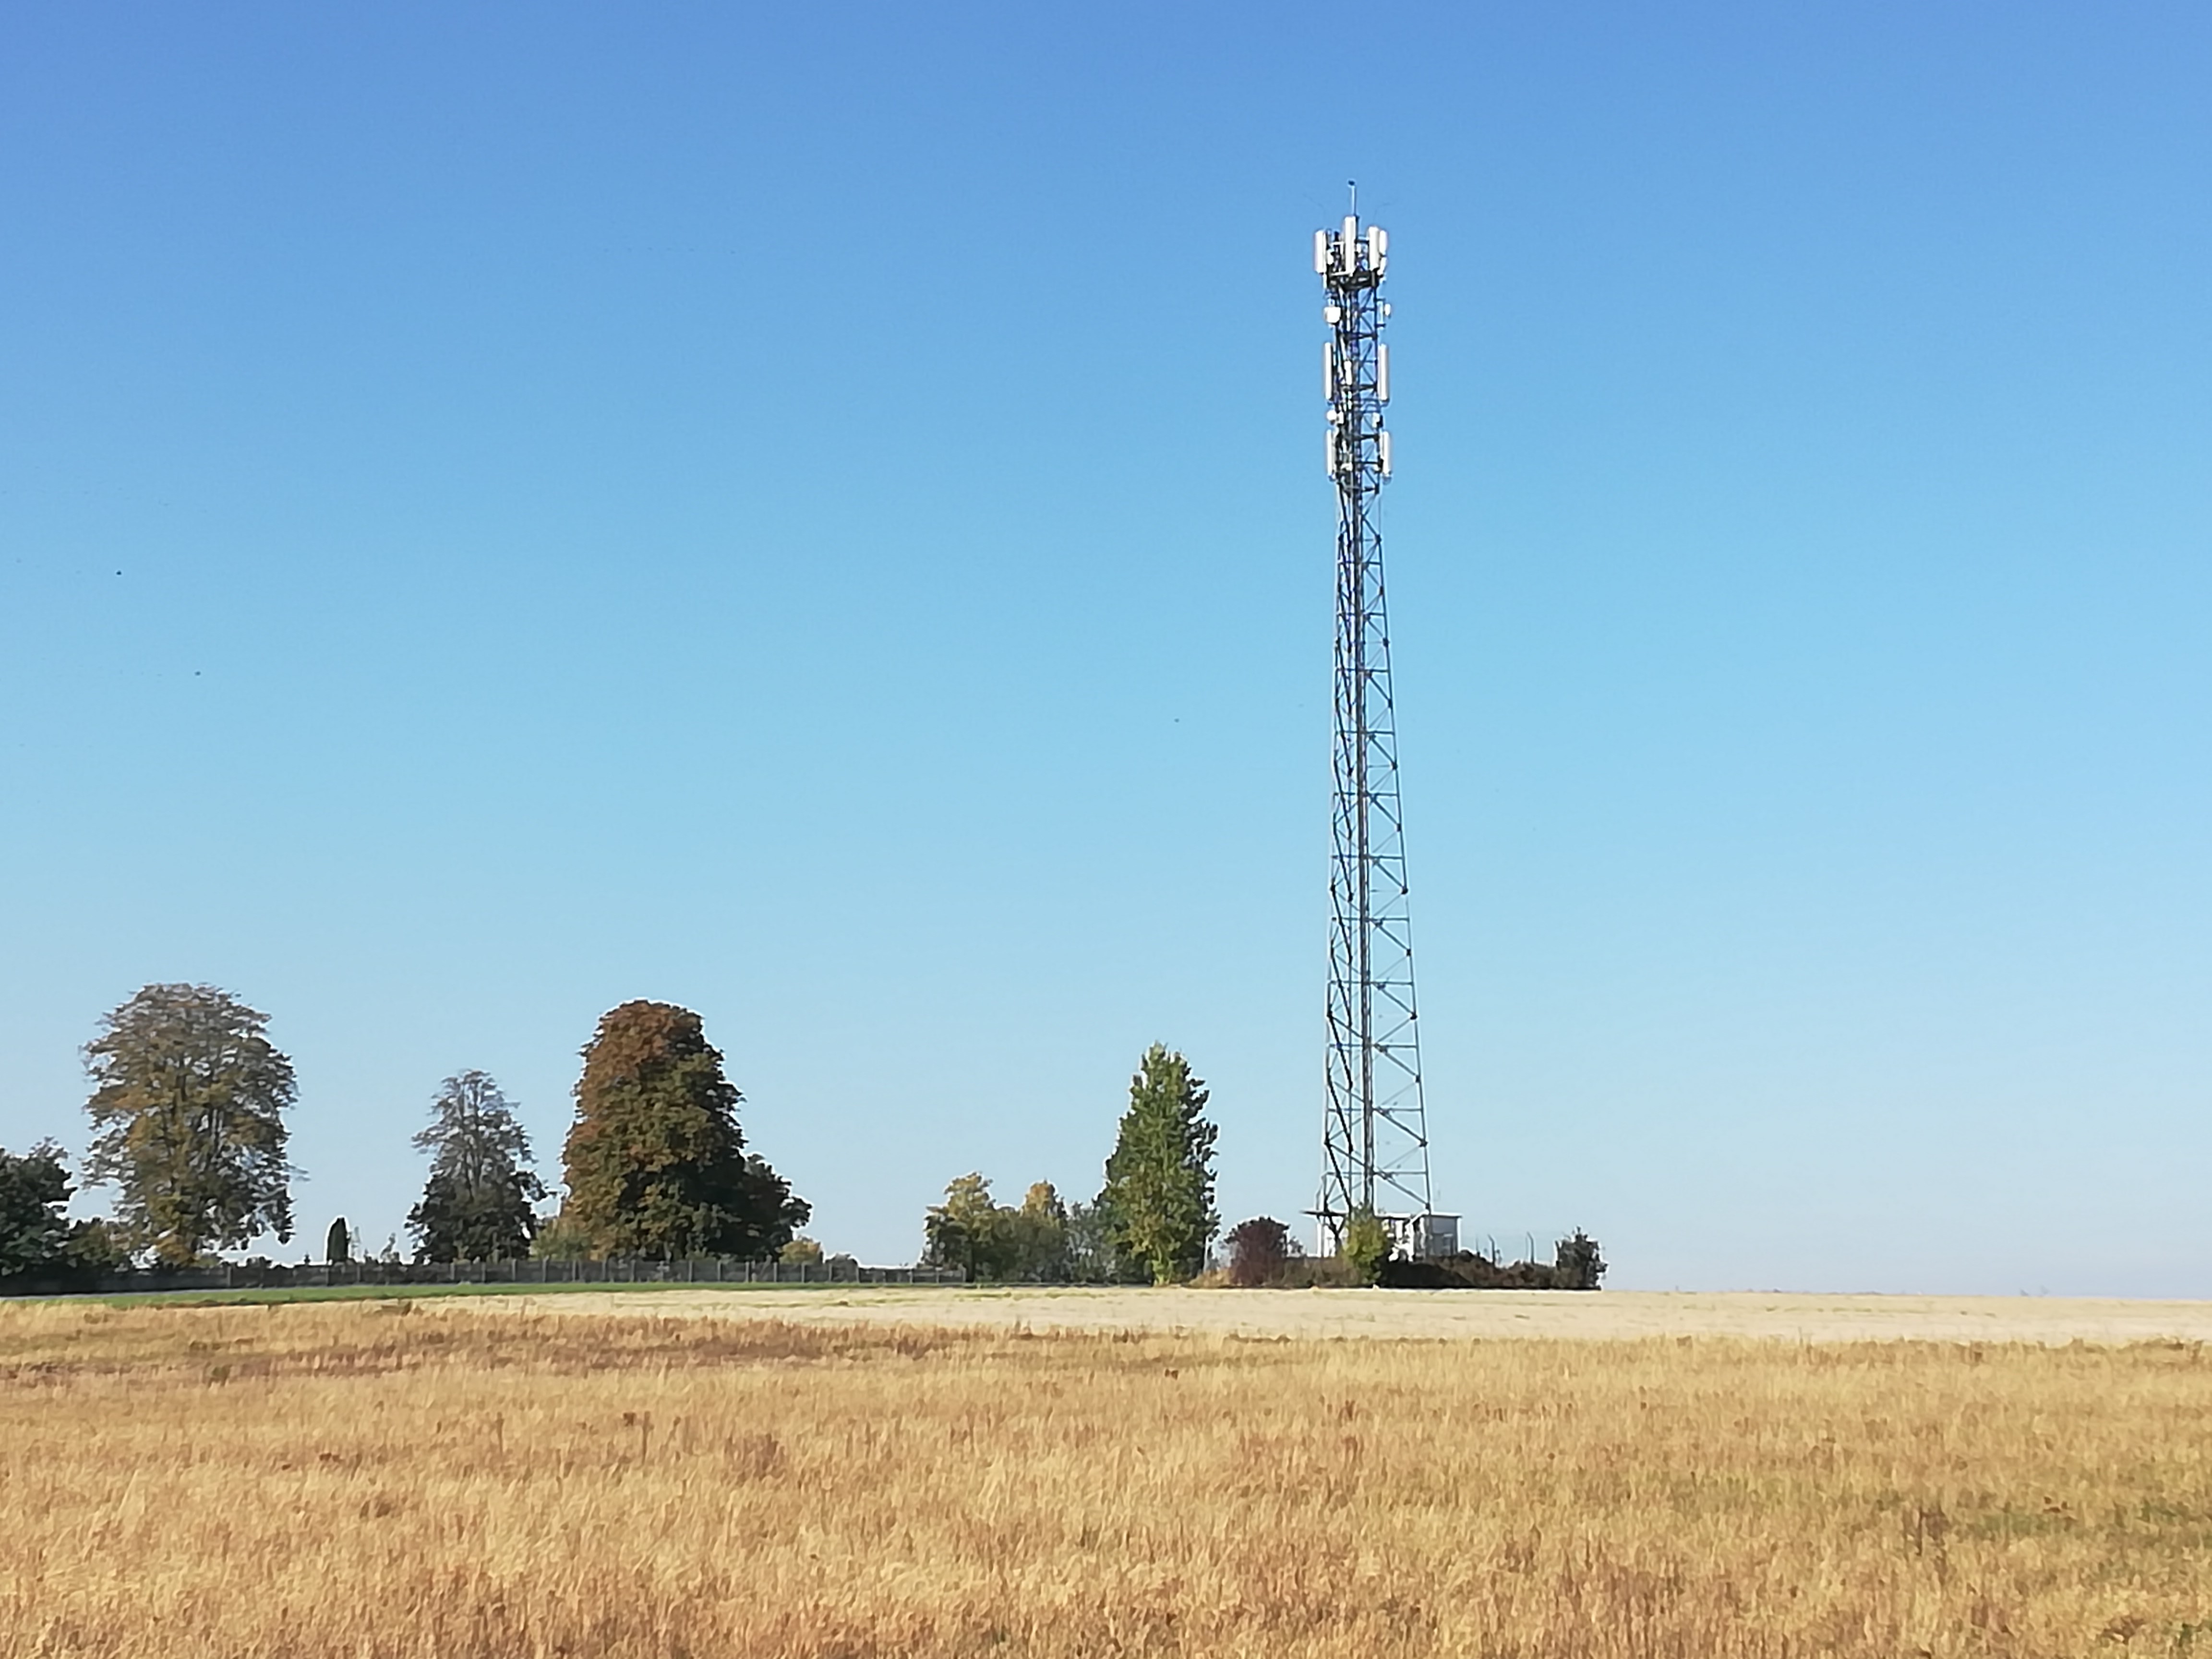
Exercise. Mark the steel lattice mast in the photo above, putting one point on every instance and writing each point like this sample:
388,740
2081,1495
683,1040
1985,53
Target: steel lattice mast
1375,1141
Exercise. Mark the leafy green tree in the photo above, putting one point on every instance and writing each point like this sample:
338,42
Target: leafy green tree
34,1187
93,1249
990,1240
966,1231
1040,1235
1158,1194
1087,1241
1366,1245
801,1253
35,1237
337,1244
655,1162
188,1117
477,1205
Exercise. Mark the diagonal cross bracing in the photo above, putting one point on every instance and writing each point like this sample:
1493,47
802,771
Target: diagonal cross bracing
1375,1132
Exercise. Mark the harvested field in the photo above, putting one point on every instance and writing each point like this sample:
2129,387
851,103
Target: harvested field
518,1477
1611,1316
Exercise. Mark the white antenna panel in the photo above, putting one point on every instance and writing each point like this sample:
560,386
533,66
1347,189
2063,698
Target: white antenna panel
1328,368
1350,243
1383,374
1378,242
1383,445
1332,452
1320,254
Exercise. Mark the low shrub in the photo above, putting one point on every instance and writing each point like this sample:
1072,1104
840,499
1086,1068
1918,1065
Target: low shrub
1576,1267
1259,1251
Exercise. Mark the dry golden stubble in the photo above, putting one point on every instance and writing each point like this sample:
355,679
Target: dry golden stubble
328,1479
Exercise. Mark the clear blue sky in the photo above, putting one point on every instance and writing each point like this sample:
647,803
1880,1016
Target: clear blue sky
816,514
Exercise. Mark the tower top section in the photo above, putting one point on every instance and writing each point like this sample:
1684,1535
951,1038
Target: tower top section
1351,256
1350,261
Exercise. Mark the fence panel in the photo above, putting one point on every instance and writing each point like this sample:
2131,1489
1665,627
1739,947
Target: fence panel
617,1270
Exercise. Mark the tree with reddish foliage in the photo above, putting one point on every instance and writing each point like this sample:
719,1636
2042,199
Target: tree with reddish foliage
1259,1250
655,1163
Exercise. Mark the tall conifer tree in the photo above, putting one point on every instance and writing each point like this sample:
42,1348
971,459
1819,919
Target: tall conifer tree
1159,1197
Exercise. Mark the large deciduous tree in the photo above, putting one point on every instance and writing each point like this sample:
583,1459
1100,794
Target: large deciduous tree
655,1163
477,1204
188,1117
1158,1196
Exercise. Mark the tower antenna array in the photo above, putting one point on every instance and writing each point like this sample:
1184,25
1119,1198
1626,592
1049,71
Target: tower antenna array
1374,1139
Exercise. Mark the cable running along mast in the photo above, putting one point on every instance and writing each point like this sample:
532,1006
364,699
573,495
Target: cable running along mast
1375,1141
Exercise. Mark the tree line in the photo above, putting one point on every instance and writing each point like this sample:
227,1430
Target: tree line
188,1113
1153,1219
188,1128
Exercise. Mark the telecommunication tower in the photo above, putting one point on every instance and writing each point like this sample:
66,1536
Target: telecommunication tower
1375,1138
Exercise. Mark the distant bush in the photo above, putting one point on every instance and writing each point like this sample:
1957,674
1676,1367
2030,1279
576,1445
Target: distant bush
93,1249
1259,1251
1366,1246
560,1239
1319,1273
1579,1267
1576,1267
